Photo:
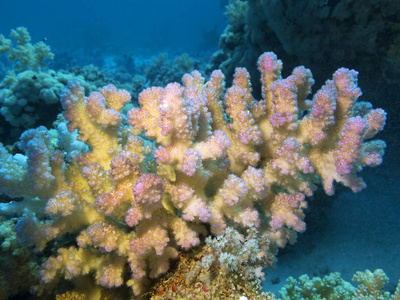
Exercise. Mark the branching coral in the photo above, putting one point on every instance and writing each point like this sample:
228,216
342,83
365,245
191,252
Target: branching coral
25,55
332,286
211,159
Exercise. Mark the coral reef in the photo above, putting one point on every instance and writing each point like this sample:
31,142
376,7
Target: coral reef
30,92
306,32
195,160
332,286
162,71
27,98
354,28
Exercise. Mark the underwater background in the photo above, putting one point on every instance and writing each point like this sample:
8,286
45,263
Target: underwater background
138,44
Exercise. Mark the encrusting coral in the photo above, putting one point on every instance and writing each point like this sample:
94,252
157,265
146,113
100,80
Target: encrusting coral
210,159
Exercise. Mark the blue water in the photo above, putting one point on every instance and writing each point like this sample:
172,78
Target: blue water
117,26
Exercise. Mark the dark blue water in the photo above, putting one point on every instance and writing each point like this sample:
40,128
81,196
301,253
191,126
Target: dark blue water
118,26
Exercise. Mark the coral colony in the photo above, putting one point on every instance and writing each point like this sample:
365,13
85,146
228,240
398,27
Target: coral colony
118,196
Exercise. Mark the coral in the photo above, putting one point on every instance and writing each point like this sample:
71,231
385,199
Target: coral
195,160
243,255
30,93
236,12
232,41
25,55
333,287
203,275
371,285
26,98
98,77
396,294
163,71
19,271
365,33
